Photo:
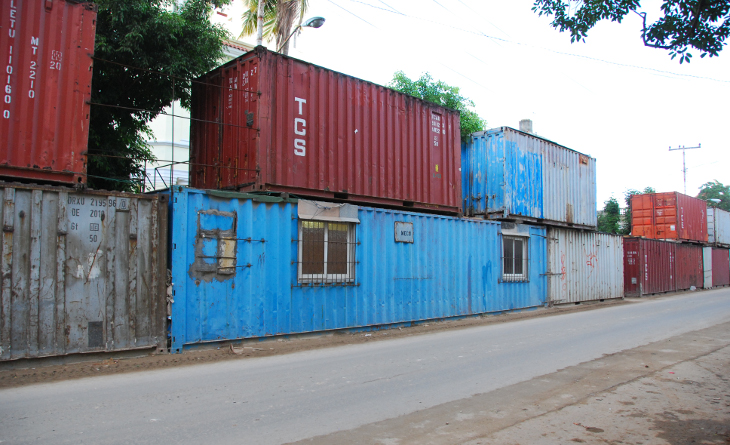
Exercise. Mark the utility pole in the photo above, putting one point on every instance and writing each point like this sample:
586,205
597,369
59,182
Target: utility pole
684,163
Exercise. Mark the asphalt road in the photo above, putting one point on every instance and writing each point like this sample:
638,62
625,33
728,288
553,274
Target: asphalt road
292,397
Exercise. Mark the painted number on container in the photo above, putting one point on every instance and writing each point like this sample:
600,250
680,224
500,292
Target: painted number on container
300,129
8,96
56,59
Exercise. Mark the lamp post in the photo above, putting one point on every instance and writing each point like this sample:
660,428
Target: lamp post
313,22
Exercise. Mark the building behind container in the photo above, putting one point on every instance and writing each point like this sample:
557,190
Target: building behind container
720,267
584,266
509,174
671,215
268,122
253,266
718,227
81,272
46,49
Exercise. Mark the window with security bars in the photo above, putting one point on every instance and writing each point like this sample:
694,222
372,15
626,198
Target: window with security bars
514,258
326,252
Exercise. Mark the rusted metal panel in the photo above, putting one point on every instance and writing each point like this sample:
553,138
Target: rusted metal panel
720,267
267,122
670,215
81,271
649,267
718,227
584,266
263,291
688,266
46,49
509,174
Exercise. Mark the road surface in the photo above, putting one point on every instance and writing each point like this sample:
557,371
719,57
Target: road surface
292,397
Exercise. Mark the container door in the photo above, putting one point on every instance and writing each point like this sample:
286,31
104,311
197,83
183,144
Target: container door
707,266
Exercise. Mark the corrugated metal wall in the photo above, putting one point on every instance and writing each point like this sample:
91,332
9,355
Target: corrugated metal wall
648,267
46,50
720,267
718,226
509,172
81,272
688,266
453,267
270,122
584,266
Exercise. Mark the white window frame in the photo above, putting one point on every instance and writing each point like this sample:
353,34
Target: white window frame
514,277
327,278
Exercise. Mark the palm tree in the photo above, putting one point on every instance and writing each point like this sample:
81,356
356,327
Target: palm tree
279,16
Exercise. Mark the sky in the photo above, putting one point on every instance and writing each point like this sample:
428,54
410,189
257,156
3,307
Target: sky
609,97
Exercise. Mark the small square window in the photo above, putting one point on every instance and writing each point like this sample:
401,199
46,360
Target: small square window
326,252
514,258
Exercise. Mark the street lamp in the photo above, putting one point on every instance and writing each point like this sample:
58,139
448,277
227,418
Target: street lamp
313,22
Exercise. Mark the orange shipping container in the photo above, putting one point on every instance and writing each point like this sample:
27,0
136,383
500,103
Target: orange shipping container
669,215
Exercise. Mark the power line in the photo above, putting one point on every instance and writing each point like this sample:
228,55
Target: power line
482,34
357,16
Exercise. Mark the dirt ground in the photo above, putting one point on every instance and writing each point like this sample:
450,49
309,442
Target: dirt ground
33,371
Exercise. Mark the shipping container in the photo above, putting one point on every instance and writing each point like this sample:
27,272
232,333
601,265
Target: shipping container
253,266
720,267
707,266
46,48
648,267
81,272
688,272
509,174
584,266
268,122
718,227
671,215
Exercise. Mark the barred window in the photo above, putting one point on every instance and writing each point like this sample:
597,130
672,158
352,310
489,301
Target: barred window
326,252
514,258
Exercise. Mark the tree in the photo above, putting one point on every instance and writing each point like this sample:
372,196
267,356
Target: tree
279,16
441,94
608,219
146,51
700,24
626,225
716,190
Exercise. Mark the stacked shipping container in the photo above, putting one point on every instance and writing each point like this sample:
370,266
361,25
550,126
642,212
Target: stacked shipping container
507,173
267,122
718,227
653,266
670,215
46,49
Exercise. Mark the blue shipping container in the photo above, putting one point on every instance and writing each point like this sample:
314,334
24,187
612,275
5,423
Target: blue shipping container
507,173
247,267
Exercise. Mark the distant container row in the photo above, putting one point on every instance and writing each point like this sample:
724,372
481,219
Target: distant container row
653,266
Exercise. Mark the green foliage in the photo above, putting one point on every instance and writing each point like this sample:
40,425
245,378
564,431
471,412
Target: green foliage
608,219
716,190
626,224
146,52
699,24
441,94
279,17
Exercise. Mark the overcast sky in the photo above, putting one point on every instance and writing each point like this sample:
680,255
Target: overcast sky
609,97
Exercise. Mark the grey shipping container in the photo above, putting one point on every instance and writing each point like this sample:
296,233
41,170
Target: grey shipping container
82,271
584,266
718,226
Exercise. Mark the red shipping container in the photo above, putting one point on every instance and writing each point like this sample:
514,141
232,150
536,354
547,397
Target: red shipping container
267,122
46,49
688,266
720,267
669,216
648,267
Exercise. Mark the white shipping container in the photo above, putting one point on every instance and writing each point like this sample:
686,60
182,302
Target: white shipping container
584,266
718,226
82,271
